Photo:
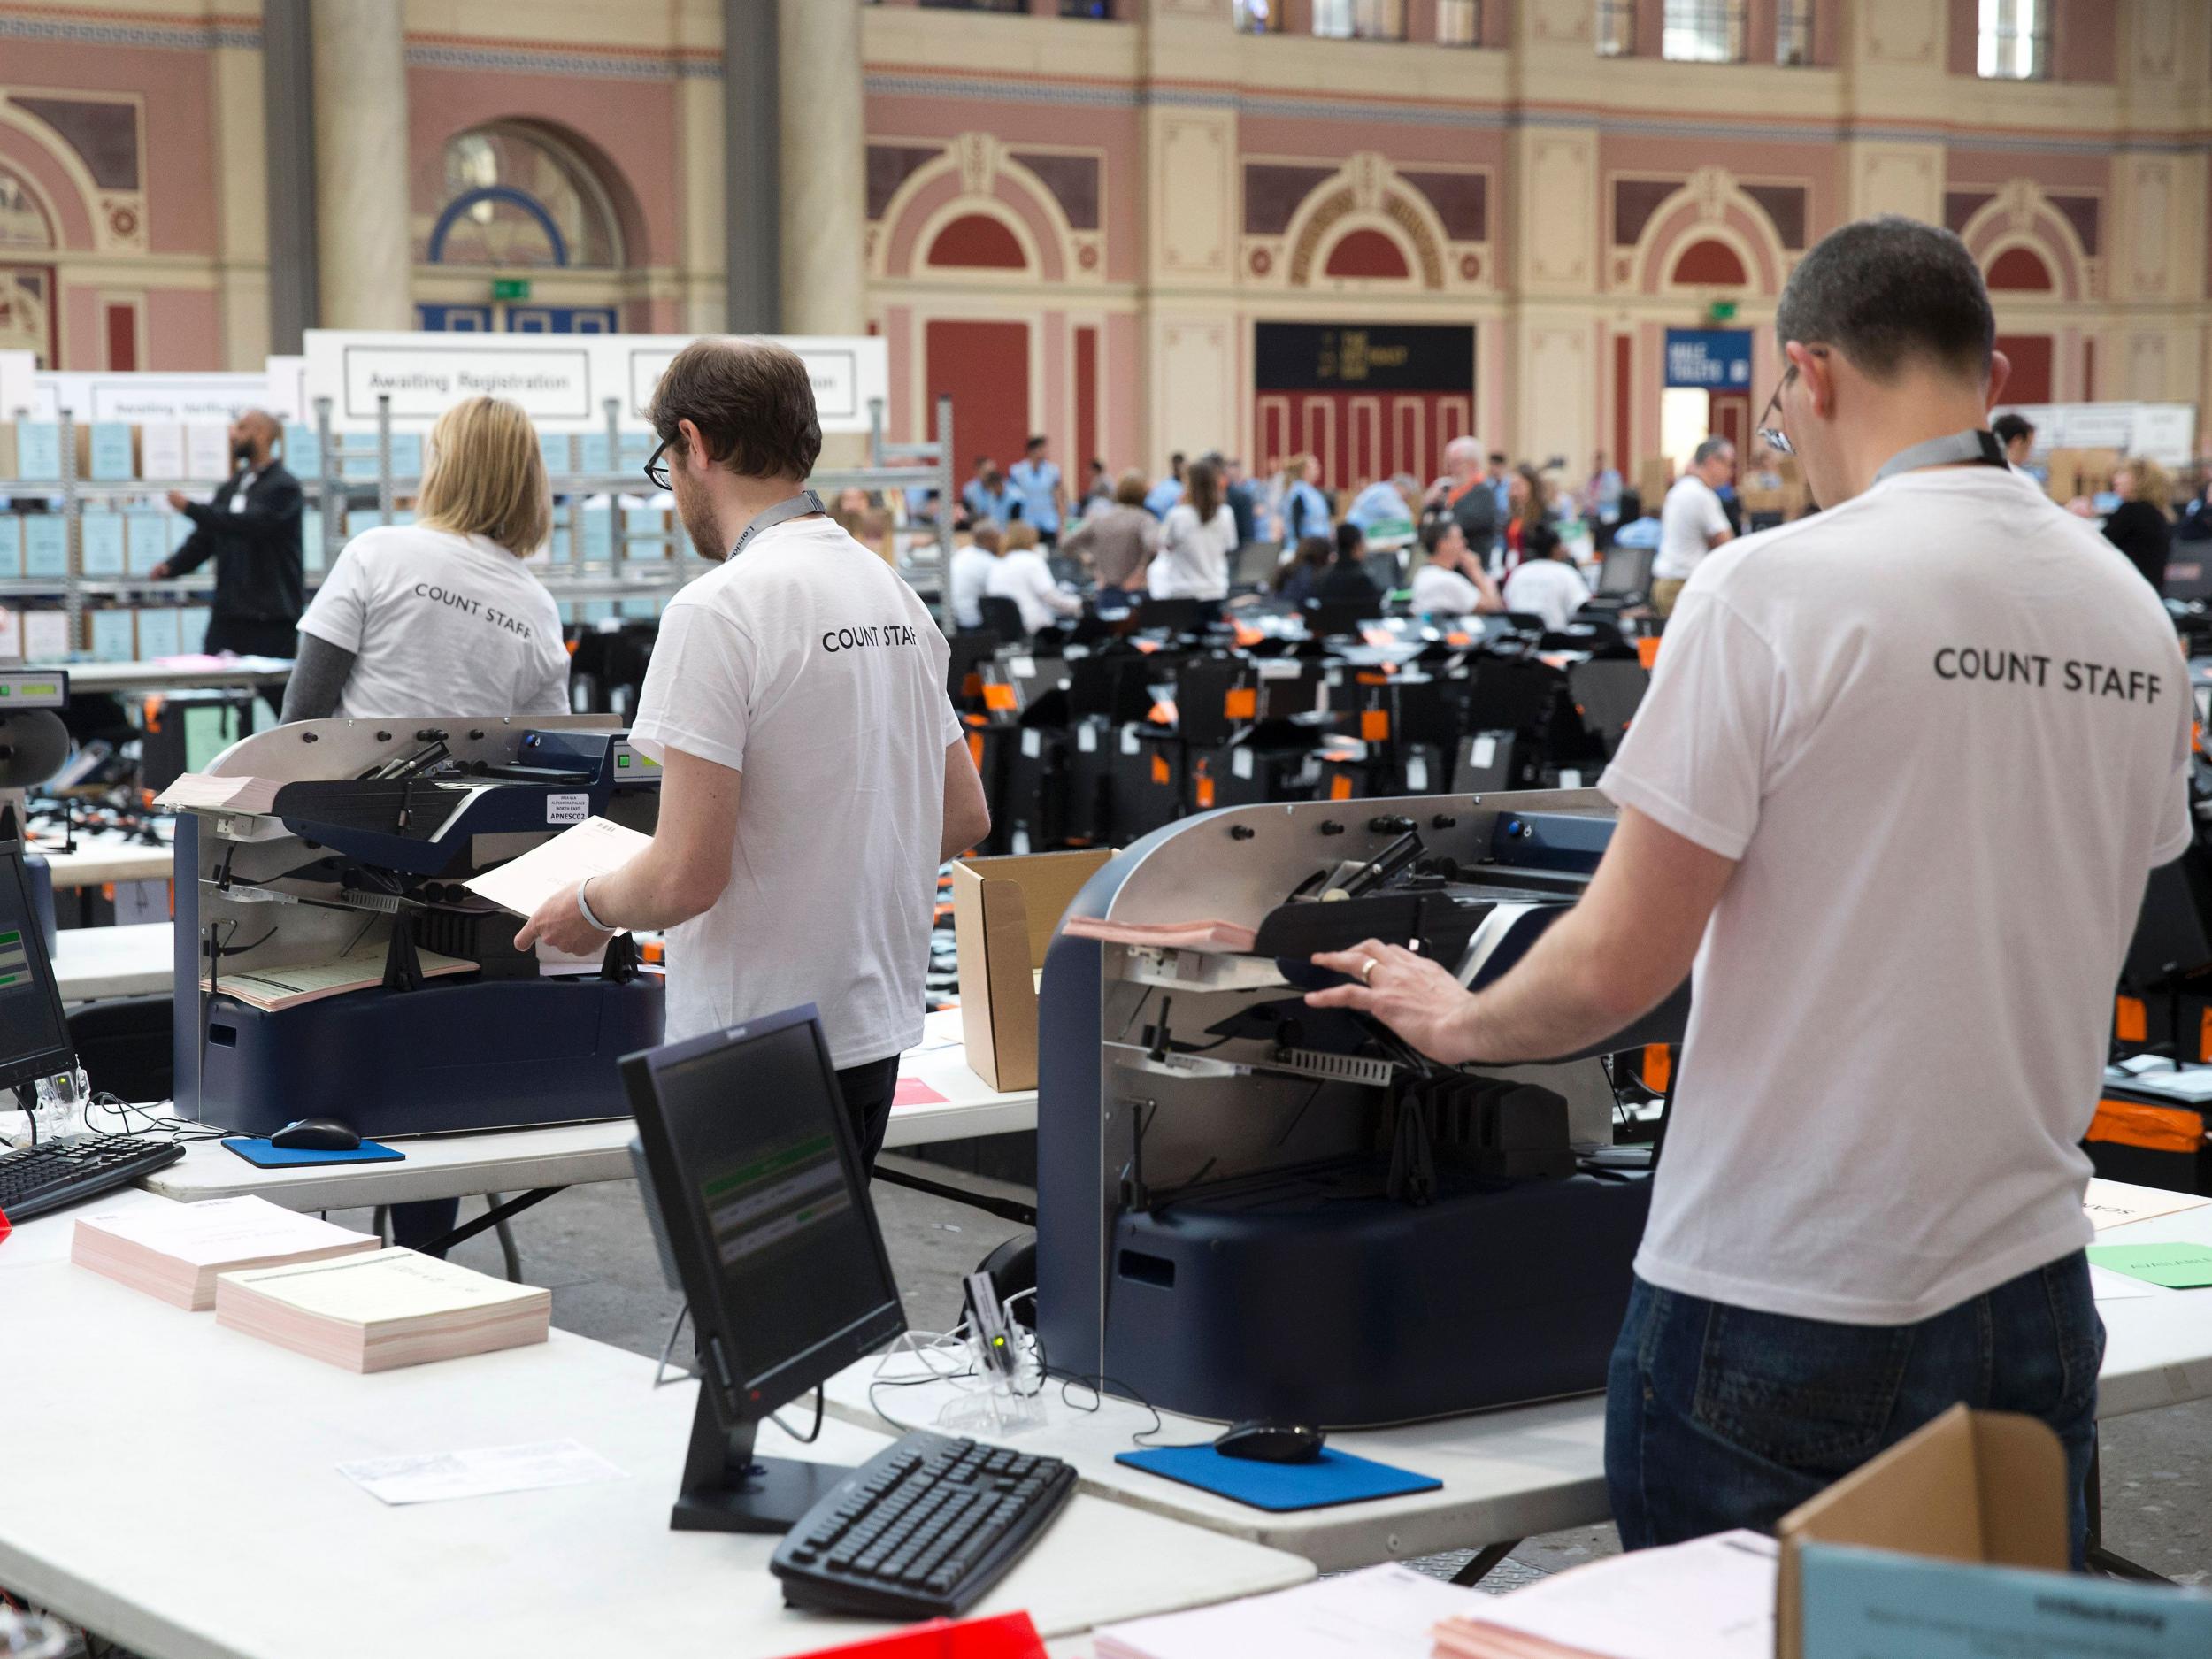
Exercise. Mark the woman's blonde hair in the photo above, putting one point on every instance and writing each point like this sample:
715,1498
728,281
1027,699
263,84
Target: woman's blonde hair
2153,483
1021,535
484,476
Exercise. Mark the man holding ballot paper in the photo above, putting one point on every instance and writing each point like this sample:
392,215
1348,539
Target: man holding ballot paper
814,776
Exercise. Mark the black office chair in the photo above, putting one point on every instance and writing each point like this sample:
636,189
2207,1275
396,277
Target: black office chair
1004,618
123,1044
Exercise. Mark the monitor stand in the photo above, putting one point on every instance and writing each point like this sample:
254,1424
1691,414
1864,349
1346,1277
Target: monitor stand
726,1489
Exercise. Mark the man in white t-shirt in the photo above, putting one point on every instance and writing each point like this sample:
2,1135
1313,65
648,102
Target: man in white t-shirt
1901,776
1693,522
814,774
1546,582
1451,581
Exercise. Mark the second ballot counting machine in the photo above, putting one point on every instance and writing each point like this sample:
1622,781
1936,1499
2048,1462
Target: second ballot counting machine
1250,1209
346,843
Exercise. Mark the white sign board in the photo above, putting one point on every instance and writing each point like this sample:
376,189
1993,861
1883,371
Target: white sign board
2167,432
138,398
18,386
562,381
288,390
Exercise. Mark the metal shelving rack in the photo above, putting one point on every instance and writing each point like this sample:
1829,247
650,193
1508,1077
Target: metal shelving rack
924,558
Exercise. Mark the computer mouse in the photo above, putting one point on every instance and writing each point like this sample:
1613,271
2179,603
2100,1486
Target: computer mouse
1271,1443
316,1134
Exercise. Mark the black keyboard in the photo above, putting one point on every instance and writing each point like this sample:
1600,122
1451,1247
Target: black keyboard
921,1529
40,1179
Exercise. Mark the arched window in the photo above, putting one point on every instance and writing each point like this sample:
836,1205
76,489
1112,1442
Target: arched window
22,221
1709,263
515,197
2020,271
1367,253
976,241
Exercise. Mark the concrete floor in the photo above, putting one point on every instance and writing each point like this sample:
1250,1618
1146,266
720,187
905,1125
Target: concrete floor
590,1246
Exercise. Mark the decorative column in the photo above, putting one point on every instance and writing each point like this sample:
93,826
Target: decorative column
361,164
823,203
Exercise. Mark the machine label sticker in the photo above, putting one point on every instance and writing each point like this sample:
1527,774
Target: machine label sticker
1033,744
567,809
1485,751
1417,774
1240,763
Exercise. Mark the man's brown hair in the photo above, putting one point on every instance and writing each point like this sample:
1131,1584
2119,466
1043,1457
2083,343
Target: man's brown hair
752,401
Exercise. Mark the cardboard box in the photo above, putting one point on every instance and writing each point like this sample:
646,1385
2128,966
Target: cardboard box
2080,472
1653,477
1003,914
1981,1486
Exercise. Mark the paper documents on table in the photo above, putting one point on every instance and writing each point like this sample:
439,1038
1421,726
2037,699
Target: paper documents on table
205,792
2115,1204
175,1251
593,847
385,1309
435,1477
1379,1613
2174,1266
1205,933
1712,1598
272,988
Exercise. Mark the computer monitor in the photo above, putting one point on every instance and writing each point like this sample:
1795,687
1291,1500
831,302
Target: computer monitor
1626,569
1255,565
760,1192
34,1035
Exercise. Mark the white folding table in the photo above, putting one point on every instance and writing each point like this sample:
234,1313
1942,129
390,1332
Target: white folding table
175,1488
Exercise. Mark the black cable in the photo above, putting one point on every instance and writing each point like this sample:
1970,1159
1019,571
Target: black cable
812,1434
1093,1380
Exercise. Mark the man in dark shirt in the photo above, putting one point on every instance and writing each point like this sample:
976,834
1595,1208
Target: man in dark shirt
1241,498
252,530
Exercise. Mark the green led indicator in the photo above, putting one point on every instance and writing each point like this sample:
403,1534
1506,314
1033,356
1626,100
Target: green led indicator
621,761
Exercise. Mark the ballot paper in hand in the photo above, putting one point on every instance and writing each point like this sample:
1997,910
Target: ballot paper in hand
593,847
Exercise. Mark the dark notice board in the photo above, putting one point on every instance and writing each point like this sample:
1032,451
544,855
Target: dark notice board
1363,358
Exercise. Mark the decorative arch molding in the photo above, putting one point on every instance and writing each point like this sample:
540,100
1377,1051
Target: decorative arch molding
1710,207
55,174
977,175
1366,194
2021,216
603,175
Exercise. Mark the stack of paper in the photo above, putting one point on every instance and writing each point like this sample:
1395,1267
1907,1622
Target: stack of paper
174,1251
1712,1598
386,1309
1204,933
272,988
205,791
1380,1613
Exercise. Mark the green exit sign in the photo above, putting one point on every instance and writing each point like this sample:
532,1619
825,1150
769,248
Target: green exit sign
511,288
1717,311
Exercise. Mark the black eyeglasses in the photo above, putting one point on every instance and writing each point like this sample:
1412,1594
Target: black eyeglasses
656,469
1769,428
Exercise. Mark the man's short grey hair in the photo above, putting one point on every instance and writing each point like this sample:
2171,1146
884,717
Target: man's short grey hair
1462,449
1710,450
1888,292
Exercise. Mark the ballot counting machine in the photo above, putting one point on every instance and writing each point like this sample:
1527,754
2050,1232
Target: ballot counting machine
1250,1209
359,857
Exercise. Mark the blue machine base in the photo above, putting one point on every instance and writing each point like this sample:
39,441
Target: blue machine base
494,1054
1312,1298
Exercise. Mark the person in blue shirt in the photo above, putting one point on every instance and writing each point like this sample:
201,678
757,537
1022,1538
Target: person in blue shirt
987,496
1385,501
1502,487
1305,508
1036,479
1163,495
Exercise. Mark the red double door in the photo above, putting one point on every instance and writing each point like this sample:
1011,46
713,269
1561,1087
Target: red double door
1360,436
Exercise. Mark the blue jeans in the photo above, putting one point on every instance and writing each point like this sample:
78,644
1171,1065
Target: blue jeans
1719,1417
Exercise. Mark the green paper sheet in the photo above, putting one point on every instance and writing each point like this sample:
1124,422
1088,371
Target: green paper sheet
2176,1266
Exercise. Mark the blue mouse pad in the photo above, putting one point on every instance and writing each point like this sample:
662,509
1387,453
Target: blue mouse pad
257,1151
1332,1478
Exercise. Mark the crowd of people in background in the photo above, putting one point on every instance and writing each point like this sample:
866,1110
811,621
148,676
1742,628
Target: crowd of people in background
1487,535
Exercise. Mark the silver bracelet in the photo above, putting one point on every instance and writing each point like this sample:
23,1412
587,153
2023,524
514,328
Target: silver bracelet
583,907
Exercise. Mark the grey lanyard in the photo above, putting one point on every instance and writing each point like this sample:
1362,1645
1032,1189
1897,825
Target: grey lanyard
1979,447
791,507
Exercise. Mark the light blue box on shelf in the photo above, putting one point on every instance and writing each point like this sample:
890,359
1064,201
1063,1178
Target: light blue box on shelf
407,455
160,633
11,545
598,533
598,610
38,451
358,455
179,531
568,612
45,546
101,533
145,541
311,538
645,607
635,447
303,450
114,635
192,629
596,458
111,460
558,542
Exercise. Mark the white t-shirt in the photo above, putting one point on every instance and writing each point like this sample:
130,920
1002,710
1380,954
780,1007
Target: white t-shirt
1550,588
808,666
1025,579
1445,592
1944,728
971,572
1193,561
1691,517
439,624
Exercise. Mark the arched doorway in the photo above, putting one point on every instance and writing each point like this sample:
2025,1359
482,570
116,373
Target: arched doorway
26,273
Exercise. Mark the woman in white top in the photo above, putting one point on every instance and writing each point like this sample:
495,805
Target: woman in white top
441,617
1199,536
1452,582
1546,582
1022,575
971,574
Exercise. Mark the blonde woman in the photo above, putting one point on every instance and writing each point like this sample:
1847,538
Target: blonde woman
441,617
2140,527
